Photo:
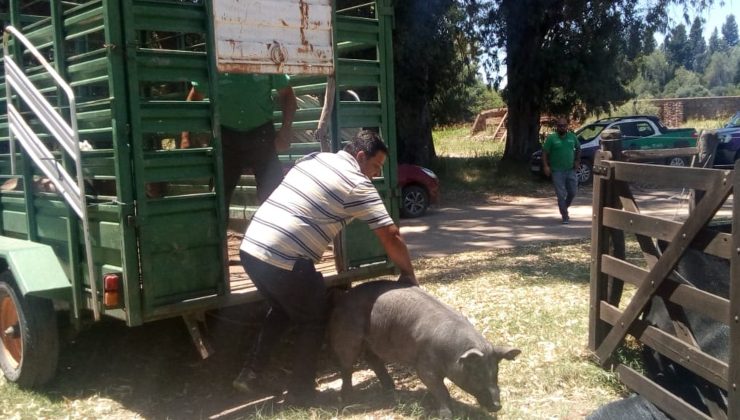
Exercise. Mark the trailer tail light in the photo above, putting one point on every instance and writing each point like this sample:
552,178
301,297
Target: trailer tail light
111,290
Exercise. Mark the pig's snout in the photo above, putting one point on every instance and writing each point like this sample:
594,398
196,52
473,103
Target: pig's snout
490,400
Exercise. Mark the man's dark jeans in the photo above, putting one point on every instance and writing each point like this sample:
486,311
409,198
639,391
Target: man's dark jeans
566,187
296,297
253,149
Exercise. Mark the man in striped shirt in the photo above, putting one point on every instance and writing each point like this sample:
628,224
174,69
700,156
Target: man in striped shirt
291,231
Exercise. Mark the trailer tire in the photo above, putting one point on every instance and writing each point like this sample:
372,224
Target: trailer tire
29,339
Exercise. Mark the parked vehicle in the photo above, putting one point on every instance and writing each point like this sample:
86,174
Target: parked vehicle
639,132
419,188
150,245
728,149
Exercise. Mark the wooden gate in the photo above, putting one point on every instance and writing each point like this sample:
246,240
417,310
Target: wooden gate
663,243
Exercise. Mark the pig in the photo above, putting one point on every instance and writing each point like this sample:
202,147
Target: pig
400,323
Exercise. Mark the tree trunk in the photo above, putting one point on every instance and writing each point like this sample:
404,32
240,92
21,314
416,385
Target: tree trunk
524,91
414,129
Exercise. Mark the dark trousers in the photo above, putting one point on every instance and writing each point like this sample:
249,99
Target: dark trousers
296,297
253,149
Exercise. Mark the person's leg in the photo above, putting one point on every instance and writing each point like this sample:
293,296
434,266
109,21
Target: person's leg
273,327
559,181
233,153
301,294
309,309
571,185
268,172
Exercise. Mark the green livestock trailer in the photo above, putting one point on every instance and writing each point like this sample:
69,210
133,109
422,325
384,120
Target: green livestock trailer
101,213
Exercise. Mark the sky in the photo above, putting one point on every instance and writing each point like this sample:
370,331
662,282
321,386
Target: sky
714,16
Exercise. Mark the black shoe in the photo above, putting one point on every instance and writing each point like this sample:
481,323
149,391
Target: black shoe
566,220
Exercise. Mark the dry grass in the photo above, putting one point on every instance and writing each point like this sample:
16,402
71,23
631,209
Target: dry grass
534,298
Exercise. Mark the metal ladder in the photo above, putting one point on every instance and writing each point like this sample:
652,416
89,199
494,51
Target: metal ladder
65,134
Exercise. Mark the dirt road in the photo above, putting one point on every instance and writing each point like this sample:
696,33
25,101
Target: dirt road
450,229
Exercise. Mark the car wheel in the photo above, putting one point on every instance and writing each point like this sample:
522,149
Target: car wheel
677,161
29,340
584,173
414,201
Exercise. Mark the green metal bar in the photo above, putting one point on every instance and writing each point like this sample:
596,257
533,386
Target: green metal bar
114,38
388,103
222,212
72,222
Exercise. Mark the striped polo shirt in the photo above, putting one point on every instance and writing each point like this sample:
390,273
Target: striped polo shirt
320,195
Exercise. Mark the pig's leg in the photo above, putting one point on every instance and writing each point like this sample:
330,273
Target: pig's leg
378,366
347,348
436,386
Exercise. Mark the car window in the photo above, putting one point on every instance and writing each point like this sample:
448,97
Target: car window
628,129
589,132
734,121
644,129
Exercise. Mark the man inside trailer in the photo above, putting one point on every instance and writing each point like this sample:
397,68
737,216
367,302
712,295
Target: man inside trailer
248,137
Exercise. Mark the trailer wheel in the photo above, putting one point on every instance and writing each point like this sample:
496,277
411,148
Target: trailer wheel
29,340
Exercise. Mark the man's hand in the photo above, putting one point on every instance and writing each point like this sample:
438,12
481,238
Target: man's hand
546,170
282,140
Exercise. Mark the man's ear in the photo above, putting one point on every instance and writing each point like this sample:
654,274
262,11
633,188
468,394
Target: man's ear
361,156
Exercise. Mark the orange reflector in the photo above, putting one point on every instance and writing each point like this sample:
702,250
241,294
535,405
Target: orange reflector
111,287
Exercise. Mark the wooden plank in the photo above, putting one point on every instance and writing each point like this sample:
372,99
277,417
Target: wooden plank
733,394
690,297
597,329
709,241
656,394
670,177
704,212
643,155
688,356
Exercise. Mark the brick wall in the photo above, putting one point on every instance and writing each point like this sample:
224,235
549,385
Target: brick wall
675,111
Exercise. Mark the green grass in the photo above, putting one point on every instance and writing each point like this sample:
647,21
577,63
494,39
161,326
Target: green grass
534,298
470,168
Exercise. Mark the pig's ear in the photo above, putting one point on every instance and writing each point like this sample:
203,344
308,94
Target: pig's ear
471,355
504,352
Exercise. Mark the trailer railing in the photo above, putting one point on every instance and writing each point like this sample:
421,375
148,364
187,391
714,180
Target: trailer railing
71,188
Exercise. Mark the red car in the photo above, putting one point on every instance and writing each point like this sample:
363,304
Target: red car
419,188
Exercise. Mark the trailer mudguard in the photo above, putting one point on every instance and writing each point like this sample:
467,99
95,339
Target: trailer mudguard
36,269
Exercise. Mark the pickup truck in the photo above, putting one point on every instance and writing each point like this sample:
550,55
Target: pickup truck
639,132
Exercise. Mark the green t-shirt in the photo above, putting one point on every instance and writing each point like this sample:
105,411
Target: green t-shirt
245,100
561,150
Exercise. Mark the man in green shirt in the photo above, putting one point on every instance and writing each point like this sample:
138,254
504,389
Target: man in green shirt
561,156
248,138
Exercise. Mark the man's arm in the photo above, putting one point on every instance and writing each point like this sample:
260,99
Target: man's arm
287,101
395,247
193,95
546,163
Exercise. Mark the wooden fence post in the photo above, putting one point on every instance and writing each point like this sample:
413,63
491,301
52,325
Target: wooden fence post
707,145
733,381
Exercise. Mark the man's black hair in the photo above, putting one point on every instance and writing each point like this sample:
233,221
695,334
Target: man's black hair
366,141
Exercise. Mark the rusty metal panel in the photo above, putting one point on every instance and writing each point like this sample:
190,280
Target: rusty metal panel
274,36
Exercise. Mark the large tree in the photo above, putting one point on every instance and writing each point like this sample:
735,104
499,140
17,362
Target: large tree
432,55
729,31
564,53
697,46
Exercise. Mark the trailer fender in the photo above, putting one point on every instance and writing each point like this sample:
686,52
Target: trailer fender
35,267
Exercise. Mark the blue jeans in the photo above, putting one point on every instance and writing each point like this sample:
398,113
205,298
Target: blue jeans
566,187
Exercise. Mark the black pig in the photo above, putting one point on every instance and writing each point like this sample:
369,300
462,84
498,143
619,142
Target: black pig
395,322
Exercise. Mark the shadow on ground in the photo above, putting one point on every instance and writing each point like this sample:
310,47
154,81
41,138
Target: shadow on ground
155,372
